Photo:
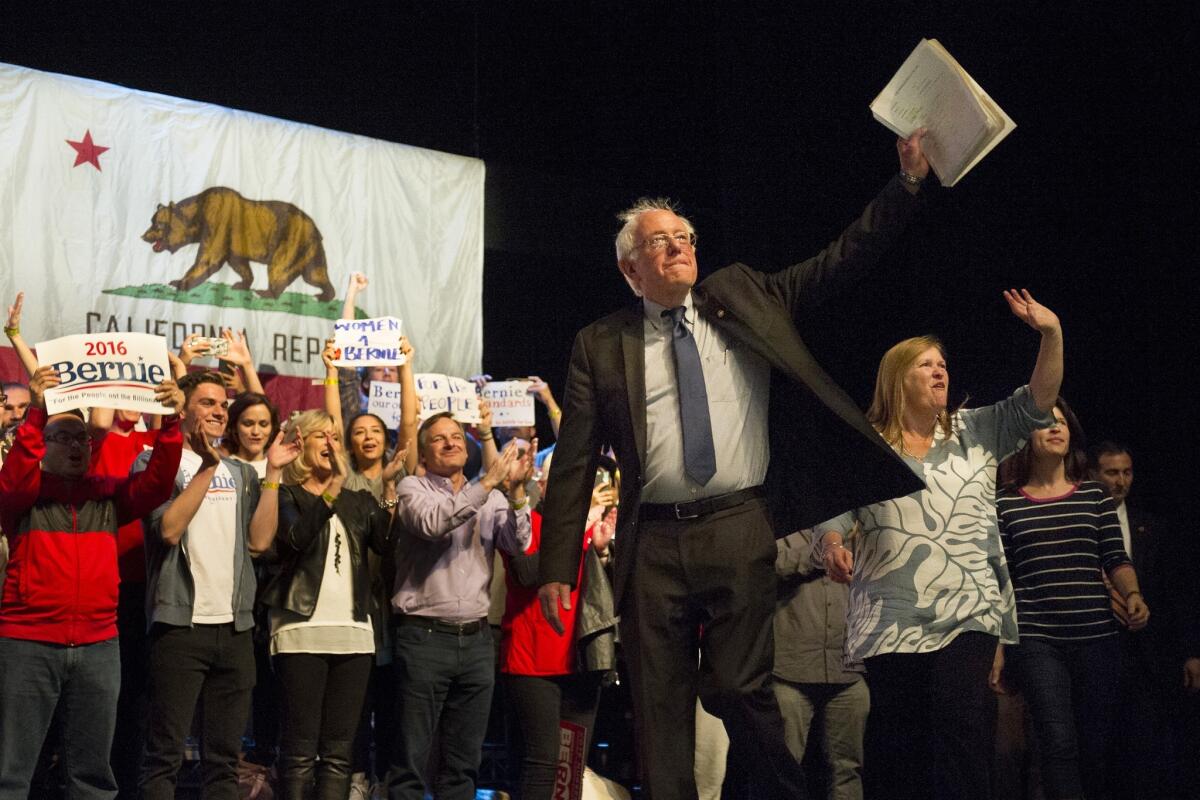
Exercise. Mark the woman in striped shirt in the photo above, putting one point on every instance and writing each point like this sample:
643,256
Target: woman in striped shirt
1061,537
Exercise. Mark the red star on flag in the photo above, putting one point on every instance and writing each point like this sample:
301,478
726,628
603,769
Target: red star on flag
86,151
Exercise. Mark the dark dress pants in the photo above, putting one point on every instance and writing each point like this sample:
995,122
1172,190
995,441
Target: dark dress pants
444,685
215,665
540,703
697,620
931,729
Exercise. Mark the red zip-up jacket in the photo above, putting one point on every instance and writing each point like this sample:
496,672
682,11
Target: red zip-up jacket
62,579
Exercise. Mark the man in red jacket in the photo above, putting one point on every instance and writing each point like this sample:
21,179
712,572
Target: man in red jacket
58,616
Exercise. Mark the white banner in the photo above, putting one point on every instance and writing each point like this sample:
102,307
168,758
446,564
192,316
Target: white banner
106,371
441,393
367,342
511,402
383,400
129,211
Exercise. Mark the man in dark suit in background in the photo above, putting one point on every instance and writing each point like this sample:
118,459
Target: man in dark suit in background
678,386
1161,661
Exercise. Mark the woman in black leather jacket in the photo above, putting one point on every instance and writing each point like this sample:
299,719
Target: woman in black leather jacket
321,635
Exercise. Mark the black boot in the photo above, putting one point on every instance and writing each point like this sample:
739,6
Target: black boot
297,763
333,773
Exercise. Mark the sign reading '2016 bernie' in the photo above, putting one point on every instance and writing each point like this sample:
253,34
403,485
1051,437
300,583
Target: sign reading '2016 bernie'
113,370
371,342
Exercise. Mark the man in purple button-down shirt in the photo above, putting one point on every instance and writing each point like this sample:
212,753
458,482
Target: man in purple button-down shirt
444,663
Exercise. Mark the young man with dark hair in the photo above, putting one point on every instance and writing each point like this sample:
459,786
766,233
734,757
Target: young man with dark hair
200,595
59,655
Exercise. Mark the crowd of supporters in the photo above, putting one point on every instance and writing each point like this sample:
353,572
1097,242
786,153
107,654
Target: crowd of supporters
325,604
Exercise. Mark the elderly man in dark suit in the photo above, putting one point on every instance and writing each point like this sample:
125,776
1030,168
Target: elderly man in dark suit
678,386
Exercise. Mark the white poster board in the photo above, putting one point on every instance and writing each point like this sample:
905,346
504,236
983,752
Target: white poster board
440,393
117,370
371,342
383,400
511,402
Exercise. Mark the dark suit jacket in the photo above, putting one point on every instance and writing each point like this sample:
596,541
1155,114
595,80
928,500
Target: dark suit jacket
825,456
1166,563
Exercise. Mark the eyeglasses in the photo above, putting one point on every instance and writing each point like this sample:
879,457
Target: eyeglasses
661,241
81,439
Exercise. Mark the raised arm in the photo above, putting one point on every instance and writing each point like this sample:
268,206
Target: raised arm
1047,375
265,522
332,386
357,283
487,439
12,330
178,515
21,475
410,408
858,249
145,491
541,390
239,356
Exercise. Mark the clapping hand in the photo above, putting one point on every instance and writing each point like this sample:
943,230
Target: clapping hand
283,451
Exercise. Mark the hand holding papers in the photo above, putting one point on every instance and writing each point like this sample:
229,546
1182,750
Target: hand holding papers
932,91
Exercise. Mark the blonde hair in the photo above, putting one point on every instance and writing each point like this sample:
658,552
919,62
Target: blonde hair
887,404
304,424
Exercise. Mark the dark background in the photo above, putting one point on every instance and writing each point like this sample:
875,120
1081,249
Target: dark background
756,118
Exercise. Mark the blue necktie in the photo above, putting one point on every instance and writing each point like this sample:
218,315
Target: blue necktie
699,456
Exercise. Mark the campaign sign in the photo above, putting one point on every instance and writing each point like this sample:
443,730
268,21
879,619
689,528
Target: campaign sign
114,370
383,400
440,393
371,342
568,778
511,402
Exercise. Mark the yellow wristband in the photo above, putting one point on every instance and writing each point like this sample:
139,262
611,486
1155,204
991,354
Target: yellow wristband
10,332
555,413
331,382
265,484
517,505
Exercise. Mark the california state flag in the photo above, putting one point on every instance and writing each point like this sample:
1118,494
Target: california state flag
124,210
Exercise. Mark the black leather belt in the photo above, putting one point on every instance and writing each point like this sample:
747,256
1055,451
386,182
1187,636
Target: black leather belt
439,625
698,508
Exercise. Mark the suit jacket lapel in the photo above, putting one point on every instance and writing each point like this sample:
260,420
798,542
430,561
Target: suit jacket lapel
633,350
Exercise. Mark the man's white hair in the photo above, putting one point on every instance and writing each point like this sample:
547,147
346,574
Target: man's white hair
625,237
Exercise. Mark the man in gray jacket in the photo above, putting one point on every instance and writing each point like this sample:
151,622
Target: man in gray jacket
815,691
200,595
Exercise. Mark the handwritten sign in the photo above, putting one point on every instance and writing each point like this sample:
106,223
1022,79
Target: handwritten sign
383,400
511,402
106,370
441,393
371,342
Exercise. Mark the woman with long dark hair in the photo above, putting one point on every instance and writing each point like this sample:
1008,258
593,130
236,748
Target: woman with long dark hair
1061,537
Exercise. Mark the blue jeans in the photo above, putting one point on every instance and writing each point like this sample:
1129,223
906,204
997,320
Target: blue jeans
1071,692
443,682
82,683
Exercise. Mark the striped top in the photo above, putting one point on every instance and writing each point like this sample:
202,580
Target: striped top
1056,548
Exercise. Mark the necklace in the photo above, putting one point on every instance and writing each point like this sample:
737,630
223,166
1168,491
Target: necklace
926,440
